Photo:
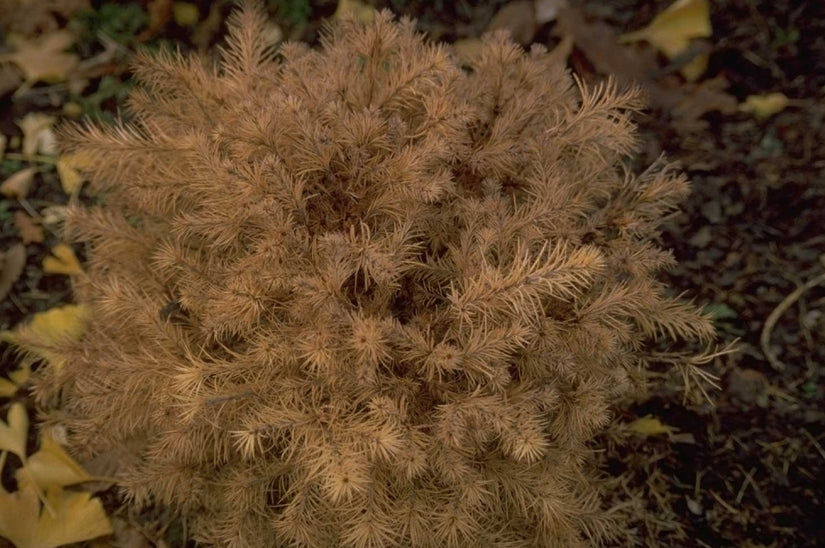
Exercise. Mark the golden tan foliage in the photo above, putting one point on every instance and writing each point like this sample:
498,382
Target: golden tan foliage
366,295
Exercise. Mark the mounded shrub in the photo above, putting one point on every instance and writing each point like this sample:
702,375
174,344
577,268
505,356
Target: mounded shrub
365,295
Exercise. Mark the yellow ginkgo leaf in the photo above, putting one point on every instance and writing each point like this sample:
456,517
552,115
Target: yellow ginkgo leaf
51,466
62,261
7,388
17,378
185,14
15,430
70,178
696,67
20,375
672,30
764,106
70,517
650,426
43,333
19,513
77,517
58,323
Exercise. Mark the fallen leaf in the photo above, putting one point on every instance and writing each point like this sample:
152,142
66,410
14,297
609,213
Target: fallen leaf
561,53
650,426
694,506
361,11
672,30
599,44
749,386
62,261
43,59
128,534
7,388
70,517
160,12
43,333
78,517
17,378
185,14
53,215
697,99
519,19
38,135
70,178
10,78
548,10
211,25
18,185
29,229
33,17
764,106
51,466
19,512
696,67
12,263
15,430
57,323
3,141
468,49
20,375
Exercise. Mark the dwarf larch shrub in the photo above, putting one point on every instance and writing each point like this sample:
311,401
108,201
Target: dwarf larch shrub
365,295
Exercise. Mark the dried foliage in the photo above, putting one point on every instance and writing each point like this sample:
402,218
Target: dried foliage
365,296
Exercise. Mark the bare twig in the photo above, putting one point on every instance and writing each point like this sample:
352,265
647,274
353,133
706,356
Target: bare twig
773,317
814,442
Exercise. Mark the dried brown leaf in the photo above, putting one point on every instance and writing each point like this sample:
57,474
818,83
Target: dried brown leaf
43,59
29,228
18,185
517,18
12,263
38,135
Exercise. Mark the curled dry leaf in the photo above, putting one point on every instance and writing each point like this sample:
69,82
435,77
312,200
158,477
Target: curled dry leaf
38,135
599,44
43,59
53,215
548,10
519,19
18,185
29,228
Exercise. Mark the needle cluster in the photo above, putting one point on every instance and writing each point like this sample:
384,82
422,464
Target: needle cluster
366,295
